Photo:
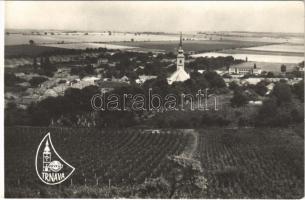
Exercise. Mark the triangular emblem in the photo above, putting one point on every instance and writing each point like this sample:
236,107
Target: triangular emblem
50,167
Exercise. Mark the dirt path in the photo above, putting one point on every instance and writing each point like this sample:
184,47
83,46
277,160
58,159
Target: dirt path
192,144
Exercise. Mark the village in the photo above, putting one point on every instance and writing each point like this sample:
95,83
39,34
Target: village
110,69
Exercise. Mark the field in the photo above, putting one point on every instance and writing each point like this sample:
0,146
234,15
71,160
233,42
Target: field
280,48
192,45
258,51
168,46
19,39
255,56
237,163
28,50
88,45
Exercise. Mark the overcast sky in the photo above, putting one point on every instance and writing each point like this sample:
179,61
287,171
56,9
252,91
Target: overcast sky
273,16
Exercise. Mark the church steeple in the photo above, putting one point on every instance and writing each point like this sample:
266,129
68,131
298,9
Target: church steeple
180,50
180,44
180,74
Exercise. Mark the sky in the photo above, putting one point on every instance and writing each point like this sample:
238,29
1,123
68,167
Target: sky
166,16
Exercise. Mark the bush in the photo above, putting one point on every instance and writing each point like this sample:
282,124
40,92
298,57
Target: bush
282,92
298,90
35,81
11,79
239,99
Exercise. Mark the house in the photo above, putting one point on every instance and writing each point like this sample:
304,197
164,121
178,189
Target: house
101,61
112,64
90,79
252,81
144,78
27,100
259,102
124,79
270,87
201,71
220,72
50,93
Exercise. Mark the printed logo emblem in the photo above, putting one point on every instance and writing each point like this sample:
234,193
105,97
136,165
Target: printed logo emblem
50,167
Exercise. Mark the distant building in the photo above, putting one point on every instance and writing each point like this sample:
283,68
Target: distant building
102,61
259,102
180,74
252,81
245,70
123,79
144,78
201,71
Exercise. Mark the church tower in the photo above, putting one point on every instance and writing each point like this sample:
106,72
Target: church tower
46,157
180,56
180,74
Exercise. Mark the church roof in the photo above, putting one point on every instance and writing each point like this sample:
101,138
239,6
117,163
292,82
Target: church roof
179,75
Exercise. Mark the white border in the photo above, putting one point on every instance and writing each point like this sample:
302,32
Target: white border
2,16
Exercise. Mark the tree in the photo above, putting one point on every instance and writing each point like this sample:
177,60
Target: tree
283,68
35,81
11,79
15,116
183,178
273,115
260,88
31,42
298,90
214,79
270,75
233,85
282,92
239,99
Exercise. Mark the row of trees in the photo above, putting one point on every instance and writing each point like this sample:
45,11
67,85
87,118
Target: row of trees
281,108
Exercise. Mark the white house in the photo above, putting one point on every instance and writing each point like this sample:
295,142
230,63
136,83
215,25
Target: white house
144,78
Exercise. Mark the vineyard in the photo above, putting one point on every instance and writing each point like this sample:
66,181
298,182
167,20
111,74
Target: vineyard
101,157
252,163
236,163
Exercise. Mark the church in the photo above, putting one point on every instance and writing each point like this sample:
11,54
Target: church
180,74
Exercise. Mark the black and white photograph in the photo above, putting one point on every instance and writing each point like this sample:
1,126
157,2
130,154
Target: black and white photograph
152,99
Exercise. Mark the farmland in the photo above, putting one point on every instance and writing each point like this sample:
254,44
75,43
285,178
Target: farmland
116,157
23,37
247,163
88,45
280,48
28,50
260,163
192,45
